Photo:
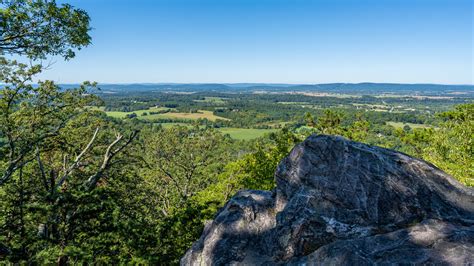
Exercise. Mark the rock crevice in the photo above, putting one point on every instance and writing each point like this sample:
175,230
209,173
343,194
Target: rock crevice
343,202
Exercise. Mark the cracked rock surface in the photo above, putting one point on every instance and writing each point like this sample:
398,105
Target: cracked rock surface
343,202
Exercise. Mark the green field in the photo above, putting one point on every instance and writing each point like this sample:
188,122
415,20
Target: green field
235,133
191,116
294,103
170,115
118,114
401,125
213,100
95,108
245,133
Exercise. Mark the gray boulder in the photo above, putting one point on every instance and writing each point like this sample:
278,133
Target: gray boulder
343,203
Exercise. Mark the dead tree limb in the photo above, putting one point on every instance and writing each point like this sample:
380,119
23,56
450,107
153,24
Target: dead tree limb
111,151
76,161
41,167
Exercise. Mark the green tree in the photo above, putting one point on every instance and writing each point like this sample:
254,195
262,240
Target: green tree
330,122
183,161
41,28
452,144
359,130
309,119
36,29
449,146
56,154
179,163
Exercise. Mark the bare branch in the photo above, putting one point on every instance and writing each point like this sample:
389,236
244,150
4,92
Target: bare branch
109,154
41,167
77,160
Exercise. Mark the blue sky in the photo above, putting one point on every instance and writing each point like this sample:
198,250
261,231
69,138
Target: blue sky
292,41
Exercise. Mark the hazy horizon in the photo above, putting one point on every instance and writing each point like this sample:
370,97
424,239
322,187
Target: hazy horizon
268,83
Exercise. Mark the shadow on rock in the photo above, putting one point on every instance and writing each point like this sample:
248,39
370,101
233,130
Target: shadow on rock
343,202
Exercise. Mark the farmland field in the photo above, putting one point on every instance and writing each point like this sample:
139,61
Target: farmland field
118,114
171,114
191,116
213,100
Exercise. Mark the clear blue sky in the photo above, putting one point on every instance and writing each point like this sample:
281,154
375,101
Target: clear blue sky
292,41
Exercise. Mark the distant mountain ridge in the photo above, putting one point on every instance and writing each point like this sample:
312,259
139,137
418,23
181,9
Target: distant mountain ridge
348,88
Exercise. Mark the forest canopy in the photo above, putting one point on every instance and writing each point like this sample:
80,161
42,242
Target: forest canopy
118,178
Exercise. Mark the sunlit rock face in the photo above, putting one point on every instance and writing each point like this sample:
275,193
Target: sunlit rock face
342,202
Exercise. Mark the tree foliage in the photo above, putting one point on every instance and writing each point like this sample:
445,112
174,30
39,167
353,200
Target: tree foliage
451,147
56,155
41,28
79,187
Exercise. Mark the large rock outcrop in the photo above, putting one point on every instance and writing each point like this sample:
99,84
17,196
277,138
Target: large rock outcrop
343,202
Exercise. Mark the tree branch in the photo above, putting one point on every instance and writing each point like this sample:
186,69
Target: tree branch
109,154
77,160
41,167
